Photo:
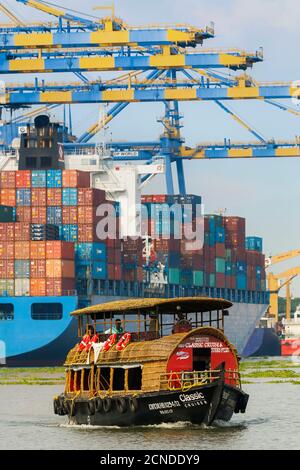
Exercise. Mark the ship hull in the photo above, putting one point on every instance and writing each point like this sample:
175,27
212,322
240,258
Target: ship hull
199,406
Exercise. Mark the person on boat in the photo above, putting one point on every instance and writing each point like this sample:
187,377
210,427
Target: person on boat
182,324
116,329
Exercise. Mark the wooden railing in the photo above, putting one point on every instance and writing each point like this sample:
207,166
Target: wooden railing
184,381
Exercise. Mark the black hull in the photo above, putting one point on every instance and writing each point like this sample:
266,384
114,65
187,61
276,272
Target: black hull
201,405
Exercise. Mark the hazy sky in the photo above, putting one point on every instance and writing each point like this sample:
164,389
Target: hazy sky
266,192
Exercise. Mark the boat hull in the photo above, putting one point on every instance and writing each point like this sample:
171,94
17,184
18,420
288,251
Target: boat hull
201,405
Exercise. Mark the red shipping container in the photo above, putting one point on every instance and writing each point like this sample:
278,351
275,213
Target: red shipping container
113,243
114,272
38,287
22,232
86,215
23,214
57,268
59,250
87,233
220,250
230,282
91,197
165,246
70,215
7,269
54,197
7,232
237,224
145,199
8,197
60,287
38,197
22,250
220,281
38,250
39,215
23,179
7,179
75,179
7,250
38,268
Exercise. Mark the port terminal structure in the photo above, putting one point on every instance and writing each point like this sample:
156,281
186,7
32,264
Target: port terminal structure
156,63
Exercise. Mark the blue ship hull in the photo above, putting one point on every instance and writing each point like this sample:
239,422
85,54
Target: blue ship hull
26,341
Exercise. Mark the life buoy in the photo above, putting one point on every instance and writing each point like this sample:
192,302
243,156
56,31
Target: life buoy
93,340
85,341
110,342
174,382
121,405
124,341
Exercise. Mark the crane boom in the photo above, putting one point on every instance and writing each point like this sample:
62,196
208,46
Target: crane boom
272,260
11,16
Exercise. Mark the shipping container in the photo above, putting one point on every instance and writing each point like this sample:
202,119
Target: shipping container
198,278
7,287
114,272
69,215
56,268
8,197
22,232
254,244
87,233
39,215
87,252
7,232
23,179
99,270
23,197
70,233
59,250
38,250
23,214
220,266
75,179
38,268
38,197
38,179
22,250
22,287
54,215
7,214
7,179
54,197
54,178
22,269
90,197
69,197
7,250
38,287
7,269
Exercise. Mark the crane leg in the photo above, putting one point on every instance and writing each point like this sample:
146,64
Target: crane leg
181,178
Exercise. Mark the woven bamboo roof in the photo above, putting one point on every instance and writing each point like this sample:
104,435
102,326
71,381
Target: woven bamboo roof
185,305
146,351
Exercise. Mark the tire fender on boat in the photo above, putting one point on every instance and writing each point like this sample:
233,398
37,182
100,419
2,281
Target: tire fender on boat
99,404
56,406
62,406
107,404
121,405
133,404
91,407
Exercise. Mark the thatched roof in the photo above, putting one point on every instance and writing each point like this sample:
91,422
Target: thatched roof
146,351
184,305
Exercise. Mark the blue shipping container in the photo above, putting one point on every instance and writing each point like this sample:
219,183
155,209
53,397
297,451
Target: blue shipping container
220,235
87,252
254,244
69,197
54,215
70,233
22,269
99,270
241,267
54,178
38,179
241,282
23,197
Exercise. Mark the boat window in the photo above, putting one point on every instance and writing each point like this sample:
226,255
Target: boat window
104,383
77,381
71,380
119,379
86,378
135,378
47,311
6,312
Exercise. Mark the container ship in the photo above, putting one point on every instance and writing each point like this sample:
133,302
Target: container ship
53,261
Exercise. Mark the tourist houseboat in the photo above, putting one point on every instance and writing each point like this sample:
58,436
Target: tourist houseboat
152,361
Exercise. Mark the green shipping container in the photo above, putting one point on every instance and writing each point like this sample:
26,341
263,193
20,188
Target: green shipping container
220,265
174,276
7,214
212,280
198,277
228,254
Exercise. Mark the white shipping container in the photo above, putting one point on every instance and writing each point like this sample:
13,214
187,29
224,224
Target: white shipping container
22,287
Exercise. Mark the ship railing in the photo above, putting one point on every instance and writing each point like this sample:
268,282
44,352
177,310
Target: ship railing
185,381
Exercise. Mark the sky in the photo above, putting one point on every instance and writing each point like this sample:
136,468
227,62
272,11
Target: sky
266,192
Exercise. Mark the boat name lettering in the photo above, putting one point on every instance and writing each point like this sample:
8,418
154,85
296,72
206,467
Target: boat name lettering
193,397
164,405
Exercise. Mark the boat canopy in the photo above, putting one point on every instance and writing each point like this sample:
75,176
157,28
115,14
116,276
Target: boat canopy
159,306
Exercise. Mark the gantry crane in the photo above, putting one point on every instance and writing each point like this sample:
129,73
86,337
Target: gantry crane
161,69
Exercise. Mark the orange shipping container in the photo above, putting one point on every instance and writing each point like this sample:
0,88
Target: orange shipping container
7,179
54,197
59,250
7,232
38,287
22,232
8,197
60,287
87,233
38,268
38,250
23,214
38,197
7,250
75,179
22,250
90,197
7,270
39,215
56,268
23,179
70,215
